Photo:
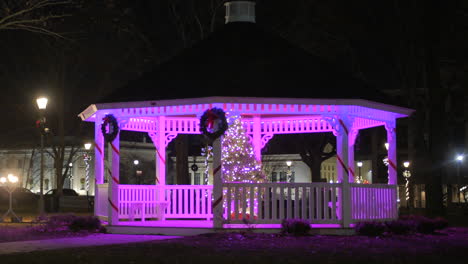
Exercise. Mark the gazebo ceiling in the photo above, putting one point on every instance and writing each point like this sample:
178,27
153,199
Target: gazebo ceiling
242,60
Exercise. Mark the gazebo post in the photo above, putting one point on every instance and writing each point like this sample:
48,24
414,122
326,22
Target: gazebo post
341,132
160,145
217,184
98,163
257,138
351,142
113,180
392,151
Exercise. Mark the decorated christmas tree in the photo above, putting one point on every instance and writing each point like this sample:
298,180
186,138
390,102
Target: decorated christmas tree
240,166
239,163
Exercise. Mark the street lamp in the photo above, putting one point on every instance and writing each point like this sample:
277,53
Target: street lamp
42,105
459,159
10,183
407,175
87,159
289,173
138,172
359,164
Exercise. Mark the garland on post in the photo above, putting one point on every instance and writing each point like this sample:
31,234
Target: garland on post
213,123
111,133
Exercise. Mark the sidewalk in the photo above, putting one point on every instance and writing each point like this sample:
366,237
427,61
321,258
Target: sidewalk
75,242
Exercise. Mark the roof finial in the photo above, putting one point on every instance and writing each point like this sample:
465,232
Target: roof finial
240,11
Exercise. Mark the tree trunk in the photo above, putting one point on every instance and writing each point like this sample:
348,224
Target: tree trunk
437,139
315,169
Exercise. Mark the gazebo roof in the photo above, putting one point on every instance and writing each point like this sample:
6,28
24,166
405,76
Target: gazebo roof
242,60
250,105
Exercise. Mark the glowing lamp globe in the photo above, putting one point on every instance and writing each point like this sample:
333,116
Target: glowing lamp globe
406,164
42,103
87,146
12,178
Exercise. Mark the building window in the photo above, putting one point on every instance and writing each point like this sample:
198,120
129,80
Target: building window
283,176
196,179
274,177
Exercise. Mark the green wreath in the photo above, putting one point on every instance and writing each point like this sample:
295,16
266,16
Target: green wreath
213,123
113,128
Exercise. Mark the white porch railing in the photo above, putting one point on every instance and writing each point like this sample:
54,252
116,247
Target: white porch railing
370,202
259,203
189,201
100,202
183,201
273,202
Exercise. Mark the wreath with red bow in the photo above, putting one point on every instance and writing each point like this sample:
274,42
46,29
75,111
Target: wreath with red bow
111,133
213,123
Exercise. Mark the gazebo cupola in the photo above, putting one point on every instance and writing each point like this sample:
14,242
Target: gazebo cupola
240,11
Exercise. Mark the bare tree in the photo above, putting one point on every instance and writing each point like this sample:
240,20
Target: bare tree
33,15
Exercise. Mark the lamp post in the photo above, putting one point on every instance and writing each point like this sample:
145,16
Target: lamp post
459,158
407,175
138,172
359,164
10,184
42,105
87,159
289,173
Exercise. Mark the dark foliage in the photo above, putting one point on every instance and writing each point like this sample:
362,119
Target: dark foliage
297,227
88,223
73,223
399,227
372,229
403,226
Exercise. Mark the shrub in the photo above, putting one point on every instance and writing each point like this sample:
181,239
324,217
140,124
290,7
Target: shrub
424,225
400,227
58,223
71,222
370,228
297,227
88,223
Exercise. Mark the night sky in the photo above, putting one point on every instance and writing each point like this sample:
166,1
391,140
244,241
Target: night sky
104,45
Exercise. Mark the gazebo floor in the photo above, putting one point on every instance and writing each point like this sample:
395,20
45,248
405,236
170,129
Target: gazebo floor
196,227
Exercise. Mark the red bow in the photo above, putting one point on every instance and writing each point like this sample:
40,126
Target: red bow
211,118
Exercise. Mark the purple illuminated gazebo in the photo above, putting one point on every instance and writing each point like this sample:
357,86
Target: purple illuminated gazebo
271,85
326,204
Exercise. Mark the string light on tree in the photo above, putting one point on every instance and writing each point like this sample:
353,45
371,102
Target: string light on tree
238,159
207,152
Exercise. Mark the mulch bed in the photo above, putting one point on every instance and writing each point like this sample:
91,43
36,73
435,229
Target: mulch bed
449,246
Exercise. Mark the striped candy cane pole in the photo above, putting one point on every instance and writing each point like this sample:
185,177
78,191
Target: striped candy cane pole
348,169
113,183
217,185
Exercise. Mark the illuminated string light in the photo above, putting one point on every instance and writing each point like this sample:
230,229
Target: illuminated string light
238,159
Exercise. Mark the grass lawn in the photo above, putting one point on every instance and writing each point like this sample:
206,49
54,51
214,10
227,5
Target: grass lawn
449,246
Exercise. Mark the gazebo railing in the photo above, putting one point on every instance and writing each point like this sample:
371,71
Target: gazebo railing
180,201
101,203
259,203
270,203
371,202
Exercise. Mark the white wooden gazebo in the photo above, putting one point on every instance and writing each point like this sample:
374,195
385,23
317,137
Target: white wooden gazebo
202,206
